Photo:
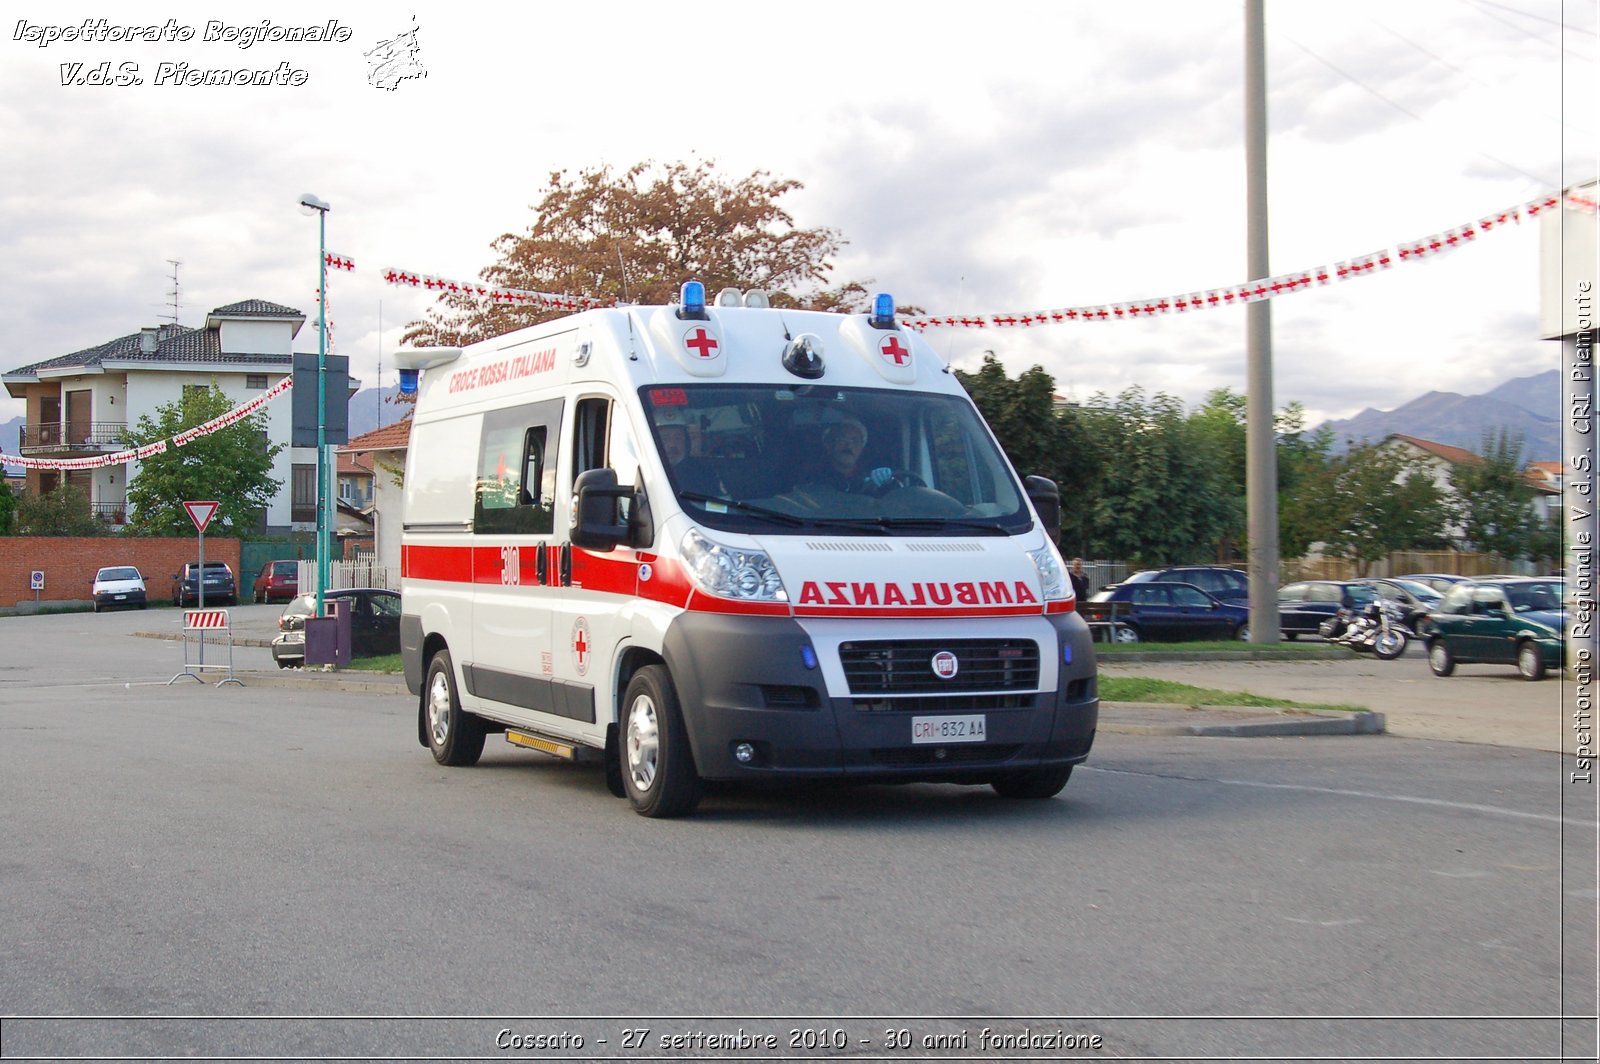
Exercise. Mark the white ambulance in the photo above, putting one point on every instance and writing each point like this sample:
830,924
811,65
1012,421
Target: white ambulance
732,542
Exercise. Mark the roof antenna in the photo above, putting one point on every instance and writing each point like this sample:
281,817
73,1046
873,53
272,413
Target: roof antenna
172,296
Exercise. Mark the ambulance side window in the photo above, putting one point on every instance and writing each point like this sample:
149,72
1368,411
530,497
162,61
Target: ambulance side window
515,488
600,438
589,435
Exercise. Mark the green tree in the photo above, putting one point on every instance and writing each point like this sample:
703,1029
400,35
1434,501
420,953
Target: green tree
1037,438
64,511
1218,427
1377,500
232,465
1303,459
637,235
1162,496
8,509
1495,502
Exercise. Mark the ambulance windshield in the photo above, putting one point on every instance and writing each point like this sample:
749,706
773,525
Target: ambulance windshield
754,458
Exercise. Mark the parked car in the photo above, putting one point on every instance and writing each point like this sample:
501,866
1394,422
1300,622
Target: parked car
1518,621
1440,582
374,624
1159,611
219,585
1417,600
118,585
1303,606
278,581
1220,582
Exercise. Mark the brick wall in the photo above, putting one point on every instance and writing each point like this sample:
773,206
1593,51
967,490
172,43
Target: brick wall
69,564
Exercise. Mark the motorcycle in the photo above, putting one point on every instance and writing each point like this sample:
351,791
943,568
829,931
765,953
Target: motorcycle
1378,627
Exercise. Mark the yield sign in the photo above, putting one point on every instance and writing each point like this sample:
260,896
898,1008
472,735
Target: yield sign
201,512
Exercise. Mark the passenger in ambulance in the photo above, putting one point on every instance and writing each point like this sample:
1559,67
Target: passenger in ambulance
688,473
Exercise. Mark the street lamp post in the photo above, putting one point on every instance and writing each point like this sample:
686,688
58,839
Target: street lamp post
310,204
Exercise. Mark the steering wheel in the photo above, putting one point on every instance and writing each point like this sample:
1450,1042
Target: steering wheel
898,478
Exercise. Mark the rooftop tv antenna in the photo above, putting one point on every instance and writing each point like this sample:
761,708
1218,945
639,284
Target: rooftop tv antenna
172,296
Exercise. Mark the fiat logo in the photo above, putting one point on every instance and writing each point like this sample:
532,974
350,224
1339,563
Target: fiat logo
945,665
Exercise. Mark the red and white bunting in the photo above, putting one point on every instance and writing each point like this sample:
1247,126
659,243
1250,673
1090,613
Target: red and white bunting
497,295
100,461
335,261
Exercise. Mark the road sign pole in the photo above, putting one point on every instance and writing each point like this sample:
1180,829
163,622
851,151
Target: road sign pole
200,597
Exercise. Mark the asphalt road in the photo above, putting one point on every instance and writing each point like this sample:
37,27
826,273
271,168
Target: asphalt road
223,871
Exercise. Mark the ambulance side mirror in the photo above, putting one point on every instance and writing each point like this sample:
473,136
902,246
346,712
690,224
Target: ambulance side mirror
597,519
1046,499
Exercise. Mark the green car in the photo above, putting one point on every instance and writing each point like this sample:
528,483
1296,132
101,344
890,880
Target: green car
1517,622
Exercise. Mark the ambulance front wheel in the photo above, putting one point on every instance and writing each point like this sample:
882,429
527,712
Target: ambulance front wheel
1036,783
454,735
658,771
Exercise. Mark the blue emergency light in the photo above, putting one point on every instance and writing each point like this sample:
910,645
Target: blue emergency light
883,311
408,382
693,298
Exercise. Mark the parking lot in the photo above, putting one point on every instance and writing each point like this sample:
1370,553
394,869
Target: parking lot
185,853
1479,704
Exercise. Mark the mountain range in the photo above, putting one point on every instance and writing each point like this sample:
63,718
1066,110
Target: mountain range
1529,406
1525,406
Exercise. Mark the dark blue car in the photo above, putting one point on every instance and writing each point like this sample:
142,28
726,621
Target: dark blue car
1164,612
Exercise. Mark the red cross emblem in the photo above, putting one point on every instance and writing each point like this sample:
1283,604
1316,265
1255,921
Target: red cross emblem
894,351
704,344
580,645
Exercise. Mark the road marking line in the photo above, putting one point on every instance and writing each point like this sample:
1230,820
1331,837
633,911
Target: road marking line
1472,807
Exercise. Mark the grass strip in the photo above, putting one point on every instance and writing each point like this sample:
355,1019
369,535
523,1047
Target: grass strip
1149,689
379,663
1179,649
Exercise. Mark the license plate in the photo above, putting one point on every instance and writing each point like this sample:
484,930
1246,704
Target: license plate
970,729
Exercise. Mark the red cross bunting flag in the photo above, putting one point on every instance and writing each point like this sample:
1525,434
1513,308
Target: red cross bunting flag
201,513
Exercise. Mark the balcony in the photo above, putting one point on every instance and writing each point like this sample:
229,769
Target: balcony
112,513
73,438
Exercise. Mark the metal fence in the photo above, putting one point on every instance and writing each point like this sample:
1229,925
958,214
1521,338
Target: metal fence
363,571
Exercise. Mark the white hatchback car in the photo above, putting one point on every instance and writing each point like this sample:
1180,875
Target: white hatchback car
118,585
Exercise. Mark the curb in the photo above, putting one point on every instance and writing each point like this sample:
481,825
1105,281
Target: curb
1250,720
380,683
1312,654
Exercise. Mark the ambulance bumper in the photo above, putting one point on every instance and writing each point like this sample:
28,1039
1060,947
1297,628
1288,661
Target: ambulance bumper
751,685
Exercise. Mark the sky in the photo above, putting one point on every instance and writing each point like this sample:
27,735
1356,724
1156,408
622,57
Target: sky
1008,157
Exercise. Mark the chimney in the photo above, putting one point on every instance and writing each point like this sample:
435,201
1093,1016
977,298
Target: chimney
149,337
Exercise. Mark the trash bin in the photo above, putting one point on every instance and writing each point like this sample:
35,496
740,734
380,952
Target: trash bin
328,636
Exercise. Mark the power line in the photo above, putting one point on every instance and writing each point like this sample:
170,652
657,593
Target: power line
1478,6
1544,182
1529,14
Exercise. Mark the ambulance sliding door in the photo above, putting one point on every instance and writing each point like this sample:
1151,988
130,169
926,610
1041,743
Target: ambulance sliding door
513,524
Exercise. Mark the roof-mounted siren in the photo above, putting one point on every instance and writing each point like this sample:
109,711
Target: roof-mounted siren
730,297
757,299
692,300
412,361
883,312
803,357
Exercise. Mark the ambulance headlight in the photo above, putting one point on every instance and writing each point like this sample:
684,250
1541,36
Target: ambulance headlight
731,573
1052,574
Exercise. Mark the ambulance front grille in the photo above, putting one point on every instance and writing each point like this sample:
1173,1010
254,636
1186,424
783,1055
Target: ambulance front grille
944,704
977,753
907,667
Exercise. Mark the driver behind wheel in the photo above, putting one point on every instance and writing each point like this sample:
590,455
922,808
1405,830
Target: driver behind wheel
842,444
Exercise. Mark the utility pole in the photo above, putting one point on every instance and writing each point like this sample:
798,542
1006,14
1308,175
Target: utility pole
1261,447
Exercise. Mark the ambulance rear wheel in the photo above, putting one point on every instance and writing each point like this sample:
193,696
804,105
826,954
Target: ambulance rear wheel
1036,783
454,735
658,771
